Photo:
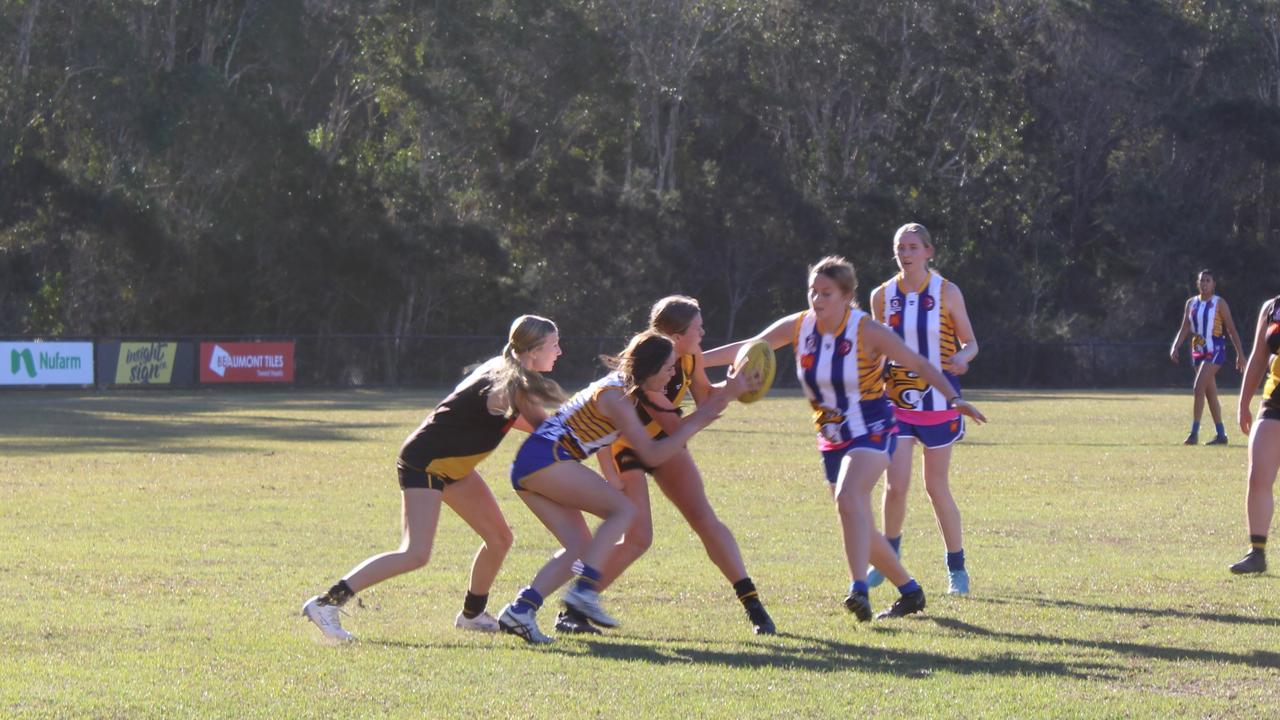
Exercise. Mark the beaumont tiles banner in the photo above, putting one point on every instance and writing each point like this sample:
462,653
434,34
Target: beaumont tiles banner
46,363
251,362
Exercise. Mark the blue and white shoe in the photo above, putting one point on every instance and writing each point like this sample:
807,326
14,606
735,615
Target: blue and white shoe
959,582
522,625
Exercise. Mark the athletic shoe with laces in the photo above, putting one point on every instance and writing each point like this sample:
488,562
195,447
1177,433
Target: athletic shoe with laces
859,605
912,602
587,602
326,617
761,623
1192,439
523,625
484,622
575,623
1219,440
958,582
1254,562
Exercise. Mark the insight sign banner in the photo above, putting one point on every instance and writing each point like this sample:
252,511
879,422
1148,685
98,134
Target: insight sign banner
46,363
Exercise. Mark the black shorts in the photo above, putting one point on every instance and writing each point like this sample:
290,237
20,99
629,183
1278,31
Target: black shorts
1270,413
412,477
627,458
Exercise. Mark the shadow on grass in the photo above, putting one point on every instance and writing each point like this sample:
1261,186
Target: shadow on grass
204,423
824,655
1140,611
1252,659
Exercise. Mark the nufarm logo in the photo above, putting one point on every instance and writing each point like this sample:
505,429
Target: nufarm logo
18,359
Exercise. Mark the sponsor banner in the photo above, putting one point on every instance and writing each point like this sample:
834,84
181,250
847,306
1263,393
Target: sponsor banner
251,362
46,363
145,363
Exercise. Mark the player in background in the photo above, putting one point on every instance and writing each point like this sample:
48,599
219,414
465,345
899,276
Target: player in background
1204,318
839,350
437,463
927,311
680,319
1264,435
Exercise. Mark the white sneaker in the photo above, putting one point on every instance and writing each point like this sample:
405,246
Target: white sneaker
587,602
484,622
523,625
326,618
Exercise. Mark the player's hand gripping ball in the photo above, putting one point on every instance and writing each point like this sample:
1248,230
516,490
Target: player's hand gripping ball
758,357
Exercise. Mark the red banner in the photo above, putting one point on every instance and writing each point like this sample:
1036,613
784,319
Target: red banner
252,362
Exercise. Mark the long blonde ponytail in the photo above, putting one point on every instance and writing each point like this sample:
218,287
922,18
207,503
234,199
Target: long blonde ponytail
511,378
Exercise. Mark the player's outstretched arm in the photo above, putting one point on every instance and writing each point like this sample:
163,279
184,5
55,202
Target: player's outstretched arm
778,335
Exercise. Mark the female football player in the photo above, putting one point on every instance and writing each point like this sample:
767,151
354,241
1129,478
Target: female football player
839,350
1204,317
1264,435
437,463
552,481
680,319
928,313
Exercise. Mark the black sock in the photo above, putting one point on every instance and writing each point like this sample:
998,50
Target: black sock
1259,543
338,594
474,604
746,590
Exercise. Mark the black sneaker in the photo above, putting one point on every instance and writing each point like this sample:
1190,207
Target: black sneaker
909,604
859,605
1254,562
760,620
1219,440
1192,439
573,622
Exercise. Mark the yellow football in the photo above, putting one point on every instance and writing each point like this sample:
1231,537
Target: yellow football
757,356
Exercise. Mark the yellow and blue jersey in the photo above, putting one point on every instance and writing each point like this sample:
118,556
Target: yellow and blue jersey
920,317
1205,317
579,426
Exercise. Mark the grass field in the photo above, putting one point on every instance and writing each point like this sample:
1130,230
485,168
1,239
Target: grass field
155,549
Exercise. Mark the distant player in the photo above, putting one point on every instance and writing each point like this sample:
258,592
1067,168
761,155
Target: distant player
550,478
928,313
1264,435
1204,318
680,319
839,350
437,463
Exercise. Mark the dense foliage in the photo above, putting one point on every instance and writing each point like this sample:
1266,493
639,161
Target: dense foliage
401,167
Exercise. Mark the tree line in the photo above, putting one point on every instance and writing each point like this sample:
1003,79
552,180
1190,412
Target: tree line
407,167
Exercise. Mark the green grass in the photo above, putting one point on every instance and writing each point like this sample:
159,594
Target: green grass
155,549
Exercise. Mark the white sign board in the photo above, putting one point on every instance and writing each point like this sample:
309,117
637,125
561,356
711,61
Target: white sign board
46,363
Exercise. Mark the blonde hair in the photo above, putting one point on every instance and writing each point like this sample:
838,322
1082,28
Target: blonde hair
914,229
511,378
840,271
673,314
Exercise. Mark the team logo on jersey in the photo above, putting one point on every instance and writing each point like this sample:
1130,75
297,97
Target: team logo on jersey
927,302
895,303
911,397
844,348
895,321
807,360
811,343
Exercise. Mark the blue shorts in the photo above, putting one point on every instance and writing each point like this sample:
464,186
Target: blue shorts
831,459
933,436
1214,351
537,452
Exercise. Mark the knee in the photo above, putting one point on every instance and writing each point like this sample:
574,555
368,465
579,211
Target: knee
639,539
501,541
897,490
623,510
576,544
417,557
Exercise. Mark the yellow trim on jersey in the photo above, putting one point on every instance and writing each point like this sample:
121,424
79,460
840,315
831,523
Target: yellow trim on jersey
455,468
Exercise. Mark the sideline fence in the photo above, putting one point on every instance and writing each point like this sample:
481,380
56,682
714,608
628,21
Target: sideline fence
357,360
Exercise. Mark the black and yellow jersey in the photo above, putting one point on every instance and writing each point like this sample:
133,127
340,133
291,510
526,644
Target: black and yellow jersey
676,390
459,433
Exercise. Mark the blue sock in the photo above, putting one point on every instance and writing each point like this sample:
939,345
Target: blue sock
587,579
909,587
896,544
1221,430
1195,428
859,587
955,560
529,600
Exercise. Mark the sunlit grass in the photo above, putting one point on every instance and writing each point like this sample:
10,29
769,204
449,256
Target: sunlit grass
155,549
